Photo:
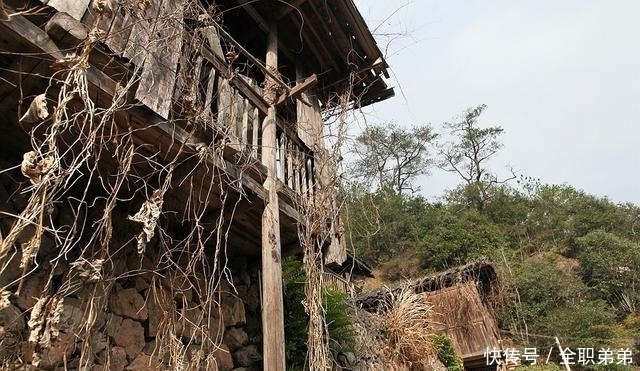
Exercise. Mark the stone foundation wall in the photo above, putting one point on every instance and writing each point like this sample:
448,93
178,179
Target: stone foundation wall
138,323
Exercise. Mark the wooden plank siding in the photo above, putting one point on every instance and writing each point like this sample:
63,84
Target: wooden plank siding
461,314
161,59
75,8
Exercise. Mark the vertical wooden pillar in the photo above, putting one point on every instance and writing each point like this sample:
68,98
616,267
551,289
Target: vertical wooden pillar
272,306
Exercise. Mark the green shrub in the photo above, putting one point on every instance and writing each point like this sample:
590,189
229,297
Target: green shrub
612,367
295,317
447,355
339,325
341,332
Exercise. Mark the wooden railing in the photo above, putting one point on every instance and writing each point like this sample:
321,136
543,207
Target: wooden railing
295,165
240,120
232,104
334,282
236,103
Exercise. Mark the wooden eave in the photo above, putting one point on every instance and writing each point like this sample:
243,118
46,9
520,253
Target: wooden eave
329,38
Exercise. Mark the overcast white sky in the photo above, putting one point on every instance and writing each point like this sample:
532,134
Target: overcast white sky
561,77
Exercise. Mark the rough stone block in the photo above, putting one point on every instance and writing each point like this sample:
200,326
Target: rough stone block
99,341
11,319
179,285
253,298
159,303
113,324
191,325
143,362
130,336
235,338
117,359
141,284
233,312
224,359
60,348
246,356
71,316
215,327
149,347
129,303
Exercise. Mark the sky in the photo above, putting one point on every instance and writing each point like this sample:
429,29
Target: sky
561,77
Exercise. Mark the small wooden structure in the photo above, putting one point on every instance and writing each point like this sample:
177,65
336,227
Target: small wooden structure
228,99
459,297
348,276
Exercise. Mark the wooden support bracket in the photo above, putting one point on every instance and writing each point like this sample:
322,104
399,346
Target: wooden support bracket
295,92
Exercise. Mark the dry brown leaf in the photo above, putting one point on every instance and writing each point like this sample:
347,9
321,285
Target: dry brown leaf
148,215
37,110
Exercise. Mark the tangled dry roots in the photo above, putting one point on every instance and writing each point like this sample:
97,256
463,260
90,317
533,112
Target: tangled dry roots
75,247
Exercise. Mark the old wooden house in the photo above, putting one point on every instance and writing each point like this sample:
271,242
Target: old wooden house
157,158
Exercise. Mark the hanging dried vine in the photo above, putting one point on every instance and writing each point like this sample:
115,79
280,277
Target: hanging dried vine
97,201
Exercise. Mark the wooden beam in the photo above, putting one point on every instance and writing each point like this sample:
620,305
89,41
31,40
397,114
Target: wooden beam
66,31
297,90
241,84
359,28
340,40
272,298
262,23
292,6
314,43
310,23
364,36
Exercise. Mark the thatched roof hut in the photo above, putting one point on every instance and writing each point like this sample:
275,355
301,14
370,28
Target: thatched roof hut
460,299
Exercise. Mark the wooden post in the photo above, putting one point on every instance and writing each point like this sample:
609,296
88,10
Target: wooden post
272,306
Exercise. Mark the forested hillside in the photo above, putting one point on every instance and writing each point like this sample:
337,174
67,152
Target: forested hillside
569,262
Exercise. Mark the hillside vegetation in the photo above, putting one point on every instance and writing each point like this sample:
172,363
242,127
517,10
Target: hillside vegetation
569,262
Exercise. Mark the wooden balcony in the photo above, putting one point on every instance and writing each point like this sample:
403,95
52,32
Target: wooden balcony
213,110
239,111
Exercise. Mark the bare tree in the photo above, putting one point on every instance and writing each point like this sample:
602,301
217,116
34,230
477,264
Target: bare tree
468,154
391,157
